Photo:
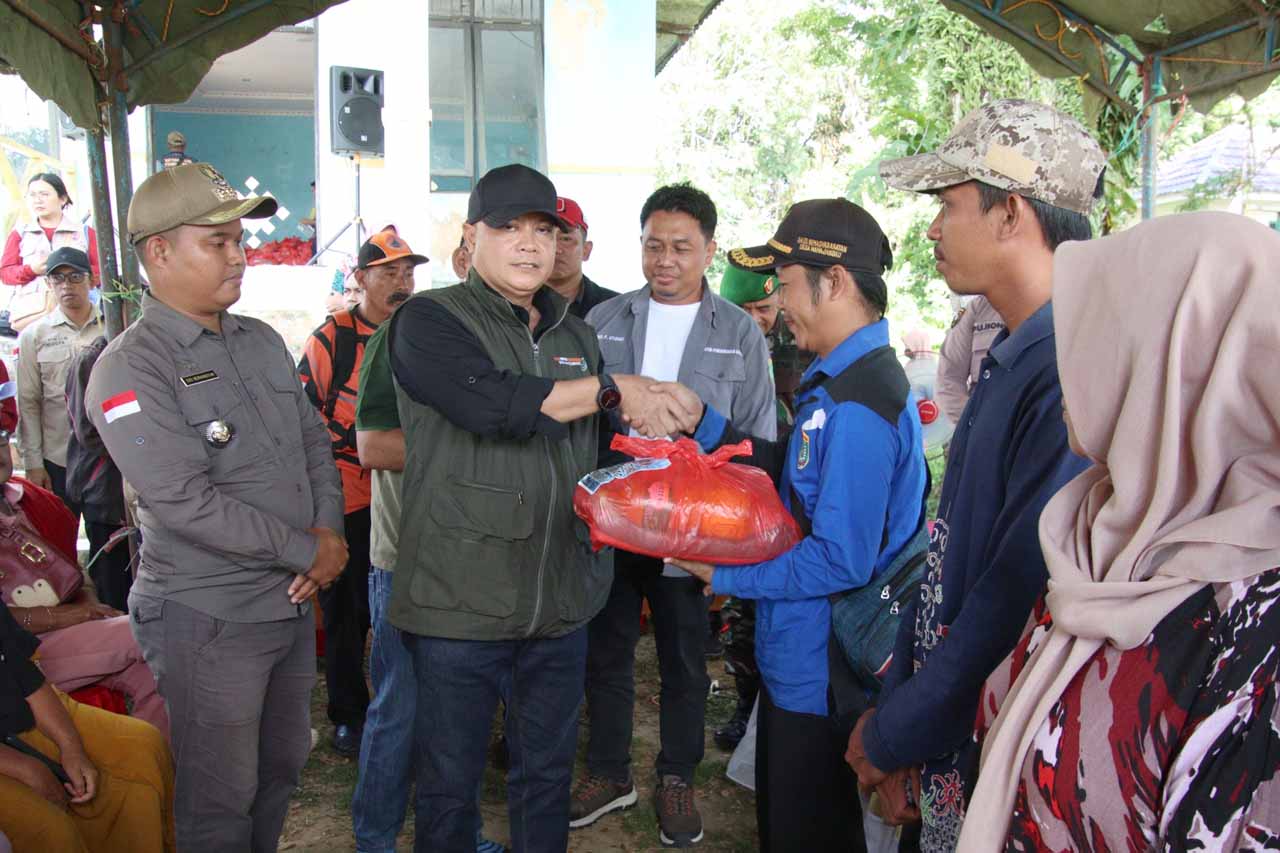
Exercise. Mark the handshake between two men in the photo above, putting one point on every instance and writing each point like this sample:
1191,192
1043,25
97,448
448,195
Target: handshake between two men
653,409
658,409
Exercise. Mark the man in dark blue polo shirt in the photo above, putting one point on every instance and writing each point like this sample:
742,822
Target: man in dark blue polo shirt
1014,180
852,473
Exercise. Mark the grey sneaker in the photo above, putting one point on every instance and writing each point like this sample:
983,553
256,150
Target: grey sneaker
596,796
679,824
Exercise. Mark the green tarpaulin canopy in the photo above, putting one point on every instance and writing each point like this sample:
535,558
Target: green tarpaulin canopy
169,46
143,52
1205,49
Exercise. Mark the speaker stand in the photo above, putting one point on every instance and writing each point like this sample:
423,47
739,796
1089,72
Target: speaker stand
355,221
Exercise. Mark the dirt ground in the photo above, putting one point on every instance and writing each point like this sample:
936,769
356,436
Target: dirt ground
320,814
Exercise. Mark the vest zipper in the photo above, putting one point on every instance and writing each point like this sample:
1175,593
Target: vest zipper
555,484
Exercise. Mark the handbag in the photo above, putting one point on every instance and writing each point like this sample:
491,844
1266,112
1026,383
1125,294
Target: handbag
33,573
29,303
865,620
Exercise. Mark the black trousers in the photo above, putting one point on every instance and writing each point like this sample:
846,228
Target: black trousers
110,571
346,624
806,795
680,629
58,480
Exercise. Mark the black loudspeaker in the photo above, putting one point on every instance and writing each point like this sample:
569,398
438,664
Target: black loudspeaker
355,108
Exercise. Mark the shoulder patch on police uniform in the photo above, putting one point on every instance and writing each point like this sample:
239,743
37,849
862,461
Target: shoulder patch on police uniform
197,378
802,458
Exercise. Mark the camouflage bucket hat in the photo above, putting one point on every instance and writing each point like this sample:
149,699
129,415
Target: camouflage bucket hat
1020,146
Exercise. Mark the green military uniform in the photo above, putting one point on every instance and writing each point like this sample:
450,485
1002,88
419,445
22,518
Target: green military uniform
787,360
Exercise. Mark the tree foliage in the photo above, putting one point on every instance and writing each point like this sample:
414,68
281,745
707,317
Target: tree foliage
774,101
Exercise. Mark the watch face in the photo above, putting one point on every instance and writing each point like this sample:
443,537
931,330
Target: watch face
610,398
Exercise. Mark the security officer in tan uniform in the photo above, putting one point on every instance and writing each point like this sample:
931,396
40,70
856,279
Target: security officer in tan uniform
240,506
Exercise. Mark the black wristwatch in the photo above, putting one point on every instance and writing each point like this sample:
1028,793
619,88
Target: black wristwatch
608,397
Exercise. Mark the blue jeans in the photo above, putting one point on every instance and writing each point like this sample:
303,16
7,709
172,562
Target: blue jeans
386,752
459,684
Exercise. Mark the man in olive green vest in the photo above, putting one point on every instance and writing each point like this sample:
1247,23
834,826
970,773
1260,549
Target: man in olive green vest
499,393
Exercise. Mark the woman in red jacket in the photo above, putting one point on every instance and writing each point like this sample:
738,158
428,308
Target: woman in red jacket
29,245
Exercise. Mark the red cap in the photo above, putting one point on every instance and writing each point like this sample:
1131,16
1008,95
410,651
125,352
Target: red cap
569,211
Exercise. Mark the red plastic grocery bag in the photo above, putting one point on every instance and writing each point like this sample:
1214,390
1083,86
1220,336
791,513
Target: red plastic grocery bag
673,500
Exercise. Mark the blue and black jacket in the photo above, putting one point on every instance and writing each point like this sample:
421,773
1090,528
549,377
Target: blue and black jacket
852,473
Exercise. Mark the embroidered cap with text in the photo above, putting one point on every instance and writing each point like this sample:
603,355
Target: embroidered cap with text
1019,146
190,194
821,232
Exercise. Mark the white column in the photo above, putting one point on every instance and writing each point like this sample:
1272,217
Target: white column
600,109
391,38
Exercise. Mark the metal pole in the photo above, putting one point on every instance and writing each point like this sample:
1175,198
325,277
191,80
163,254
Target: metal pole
1148,141
359,222
55,131
118,121
55,32
111,308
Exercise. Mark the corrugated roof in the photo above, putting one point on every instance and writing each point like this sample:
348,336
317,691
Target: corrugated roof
677,21
1231,151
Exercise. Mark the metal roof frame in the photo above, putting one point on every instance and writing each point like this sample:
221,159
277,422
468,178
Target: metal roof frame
1116,60
111,69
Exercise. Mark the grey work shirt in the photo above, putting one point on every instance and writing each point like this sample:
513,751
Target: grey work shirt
224,527
725,360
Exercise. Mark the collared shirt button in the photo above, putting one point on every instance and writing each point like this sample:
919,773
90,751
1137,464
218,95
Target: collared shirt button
471,380
970,421
986,374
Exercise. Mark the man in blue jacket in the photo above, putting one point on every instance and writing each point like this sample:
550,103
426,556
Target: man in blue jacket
1014,180
852,473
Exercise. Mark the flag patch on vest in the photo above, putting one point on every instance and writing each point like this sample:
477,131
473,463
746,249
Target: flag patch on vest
577,361
119,406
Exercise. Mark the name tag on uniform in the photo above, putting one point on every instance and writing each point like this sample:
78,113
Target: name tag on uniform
197,378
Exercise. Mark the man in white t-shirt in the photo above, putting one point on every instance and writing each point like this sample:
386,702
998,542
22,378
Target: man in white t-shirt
674,329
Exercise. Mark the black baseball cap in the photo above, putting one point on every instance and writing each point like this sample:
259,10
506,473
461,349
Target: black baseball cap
822,232
68,256
509,192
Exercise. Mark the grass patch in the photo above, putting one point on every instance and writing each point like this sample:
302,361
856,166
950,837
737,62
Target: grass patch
641,820
711,769
721,705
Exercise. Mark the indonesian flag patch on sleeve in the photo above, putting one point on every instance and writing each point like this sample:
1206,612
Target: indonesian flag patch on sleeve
122,404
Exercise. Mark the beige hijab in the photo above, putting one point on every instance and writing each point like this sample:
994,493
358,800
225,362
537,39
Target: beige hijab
1168,341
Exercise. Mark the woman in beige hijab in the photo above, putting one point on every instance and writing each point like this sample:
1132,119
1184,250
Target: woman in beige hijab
1143,710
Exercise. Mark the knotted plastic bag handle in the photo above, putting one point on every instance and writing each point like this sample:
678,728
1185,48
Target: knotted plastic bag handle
682,448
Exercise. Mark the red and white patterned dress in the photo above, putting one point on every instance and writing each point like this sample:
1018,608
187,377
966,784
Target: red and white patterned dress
1172,745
